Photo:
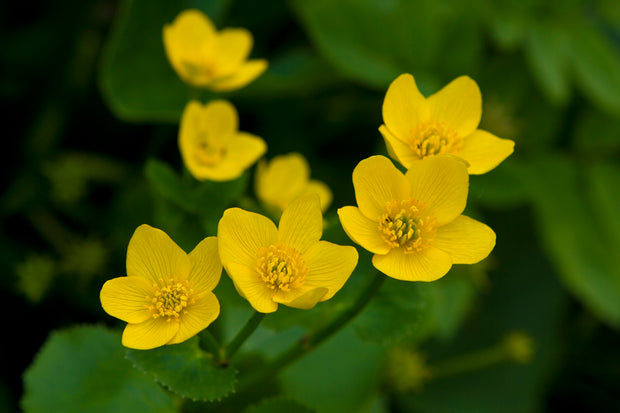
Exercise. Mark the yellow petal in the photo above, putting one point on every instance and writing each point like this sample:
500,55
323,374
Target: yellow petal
466,240
126,298
220,120
196,317
189,42
301,224
363,231
377,181
206,266
152,333
304,301
282,179
251,287
151,254
484,151
232,48
240,234
244,75
322,190
404,107
397,149
458,105
441,183
426,265
329,265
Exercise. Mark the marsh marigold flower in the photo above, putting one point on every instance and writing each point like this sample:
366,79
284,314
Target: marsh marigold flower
204,57
166,296
285,178
286,265
211,145
413,222
417,128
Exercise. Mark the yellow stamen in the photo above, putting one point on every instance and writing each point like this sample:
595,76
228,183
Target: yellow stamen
434,138
170,298
208,150
404,224
281,267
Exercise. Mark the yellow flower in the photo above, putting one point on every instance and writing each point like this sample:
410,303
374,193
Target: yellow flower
413,222
285,265
416,127
166,297
285,178
204,57
211,145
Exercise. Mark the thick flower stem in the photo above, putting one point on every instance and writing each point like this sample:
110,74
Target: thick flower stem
313,339
209,343
229,351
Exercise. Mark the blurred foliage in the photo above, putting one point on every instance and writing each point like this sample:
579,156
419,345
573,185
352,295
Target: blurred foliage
92,108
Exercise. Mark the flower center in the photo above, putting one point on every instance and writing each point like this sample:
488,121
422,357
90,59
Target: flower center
433,138
199,72
170,298
281,267
208,150
405,225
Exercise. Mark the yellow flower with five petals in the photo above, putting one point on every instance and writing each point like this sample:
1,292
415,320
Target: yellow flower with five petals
166,297
416,127
413,222
285,178
204,57
211,145
285,265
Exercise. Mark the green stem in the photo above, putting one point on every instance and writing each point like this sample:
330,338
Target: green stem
314,339
469,362
211,344
229,351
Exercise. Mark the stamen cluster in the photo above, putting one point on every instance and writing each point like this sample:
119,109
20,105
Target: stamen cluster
434,138
281,267
171,299
404,225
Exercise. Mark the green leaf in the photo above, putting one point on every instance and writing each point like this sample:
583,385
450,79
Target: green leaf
597,66
596,133
503,187
279,405
577,246
548,57
372,41
136,79
604,179
186,370
400,310
82,369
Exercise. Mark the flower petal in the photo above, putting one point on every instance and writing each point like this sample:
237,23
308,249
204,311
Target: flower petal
251,287
466,240
441,183
301,224
152,333
484,151
244,75
404,107
397,149
232,48
322,190
206,266
240,234
220,120
190,39
196,317
282,179
363,231
126,298
305,300
458,105
329,265
377,181
151,254
426,265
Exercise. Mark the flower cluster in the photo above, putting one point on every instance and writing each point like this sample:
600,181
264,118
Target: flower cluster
412,222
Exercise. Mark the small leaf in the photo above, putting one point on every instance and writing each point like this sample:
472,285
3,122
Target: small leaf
167,183
82,369
186,370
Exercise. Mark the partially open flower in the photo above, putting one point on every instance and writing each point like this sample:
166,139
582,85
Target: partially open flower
211,145
204,57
